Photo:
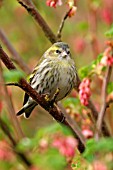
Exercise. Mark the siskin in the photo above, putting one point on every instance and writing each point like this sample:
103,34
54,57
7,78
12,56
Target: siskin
55,75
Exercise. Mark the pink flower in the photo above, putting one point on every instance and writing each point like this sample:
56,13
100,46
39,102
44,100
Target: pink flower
87,133
80,45
67,151
33,168
84,91
1,106
97,165
65,145
110,60
53,3
5,151
72,11
107,58
43,143
107,16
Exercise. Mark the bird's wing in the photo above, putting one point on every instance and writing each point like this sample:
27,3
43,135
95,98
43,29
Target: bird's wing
30,78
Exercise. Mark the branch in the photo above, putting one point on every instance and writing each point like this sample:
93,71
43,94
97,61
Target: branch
11,111
29,6
53,111
62,25
5,129
12,84
14,53
71,121
104,106
93,28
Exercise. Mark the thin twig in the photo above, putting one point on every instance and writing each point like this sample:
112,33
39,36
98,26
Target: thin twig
104,105
6,130
13,84
62,25
17,58
53,111
93,28
10,107
30,7
72,122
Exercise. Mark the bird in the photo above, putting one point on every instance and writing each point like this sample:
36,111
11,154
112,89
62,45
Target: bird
54,76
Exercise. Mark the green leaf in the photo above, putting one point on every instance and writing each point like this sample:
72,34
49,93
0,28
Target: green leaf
96,3
97,60
53,128
51,160
71,101
13,75
86,70
110,87
109,33
104,145
25,144
88,154
5,165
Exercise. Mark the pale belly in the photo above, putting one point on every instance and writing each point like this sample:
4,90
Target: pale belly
65,84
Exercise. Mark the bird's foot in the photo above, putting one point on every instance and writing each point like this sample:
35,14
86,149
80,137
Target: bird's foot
54,97
47,98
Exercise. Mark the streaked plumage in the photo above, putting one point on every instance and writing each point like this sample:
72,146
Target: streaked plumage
55,70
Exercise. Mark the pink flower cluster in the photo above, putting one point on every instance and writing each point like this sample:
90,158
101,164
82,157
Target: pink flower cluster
5,151
97,165
53,3
84,91
107,58
65,145
107,15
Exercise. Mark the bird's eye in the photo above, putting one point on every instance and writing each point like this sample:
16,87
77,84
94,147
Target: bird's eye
68,52
58,51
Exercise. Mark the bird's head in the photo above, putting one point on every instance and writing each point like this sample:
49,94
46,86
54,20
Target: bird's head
58,50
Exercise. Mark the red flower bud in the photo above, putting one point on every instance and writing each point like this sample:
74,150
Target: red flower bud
72,11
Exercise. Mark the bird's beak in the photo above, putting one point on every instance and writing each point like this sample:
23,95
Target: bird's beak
64,54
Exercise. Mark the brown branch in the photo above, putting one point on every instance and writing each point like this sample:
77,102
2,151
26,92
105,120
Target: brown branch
29,6
14,53
62,25
5,129
93,28
104,105
11,111
71,121
54,111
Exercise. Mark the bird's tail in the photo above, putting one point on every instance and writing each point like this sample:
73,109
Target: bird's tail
27,109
